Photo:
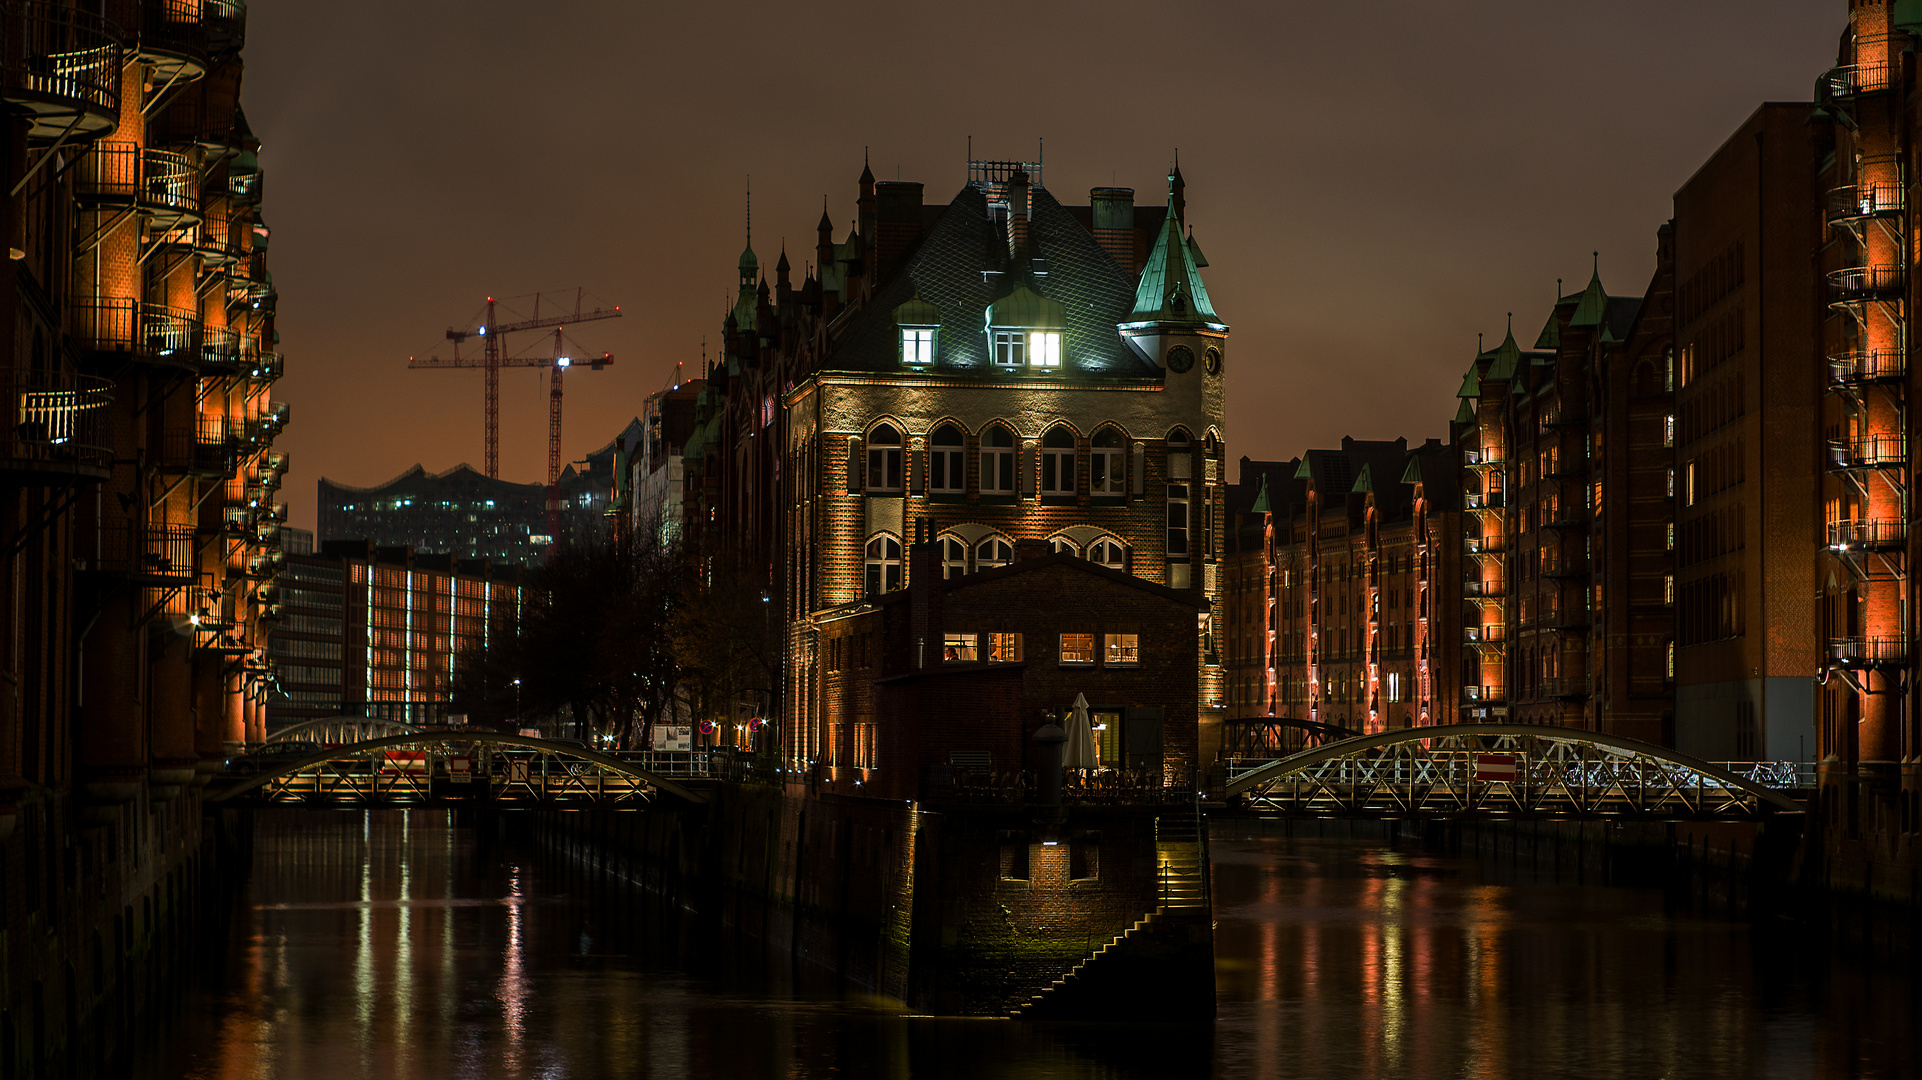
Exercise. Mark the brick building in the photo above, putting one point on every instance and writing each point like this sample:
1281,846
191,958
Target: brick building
376,631
139,472
1338,611
962,670
1551,523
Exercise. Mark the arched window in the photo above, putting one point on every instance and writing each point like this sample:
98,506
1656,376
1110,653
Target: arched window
1107,465
883,564
1057,461
947,469
992,552
954,557
884,459
997,461
1061,545
1108,552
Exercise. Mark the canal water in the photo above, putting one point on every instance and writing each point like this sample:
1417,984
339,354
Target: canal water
403,945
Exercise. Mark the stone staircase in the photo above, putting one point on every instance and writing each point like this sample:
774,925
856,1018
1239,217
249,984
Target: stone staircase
1162,967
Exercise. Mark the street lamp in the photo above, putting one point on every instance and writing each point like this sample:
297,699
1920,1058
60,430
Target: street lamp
517,703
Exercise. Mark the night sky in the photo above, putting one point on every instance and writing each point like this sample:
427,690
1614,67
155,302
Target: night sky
1373,183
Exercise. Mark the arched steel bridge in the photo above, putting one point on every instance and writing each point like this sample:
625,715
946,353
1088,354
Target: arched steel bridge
419,768
338,730
1492,770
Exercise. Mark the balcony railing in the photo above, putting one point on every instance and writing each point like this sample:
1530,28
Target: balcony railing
1563,619
246,189
1564,568
1876,198
1869,652
1484,588
1486,632
226,23
1485,693
169,186
1867,366
109,172
62,69
1873,453
1566,514
1484,545
1855,284
156,554
1871,535
1492,455
173,36
152,331
220,347
61,425
1489,501
1850,80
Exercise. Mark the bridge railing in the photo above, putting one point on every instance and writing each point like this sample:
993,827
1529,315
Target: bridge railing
1780,775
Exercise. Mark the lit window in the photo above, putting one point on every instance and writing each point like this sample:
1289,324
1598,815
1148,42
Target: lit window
1671,483
959,649
1177,519
997,461
1108,552
1688,487
1010,348
1057,462
1044,348
1003,648
1668,588
1671,661
991,553
954,557
1671,536
917,347
947,468
1121,650
883,564
1077,648
884,459
1668,430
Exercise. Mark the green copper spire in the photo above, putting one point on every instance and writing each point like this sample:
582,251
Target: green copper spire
1261,498
1171,290
1592,308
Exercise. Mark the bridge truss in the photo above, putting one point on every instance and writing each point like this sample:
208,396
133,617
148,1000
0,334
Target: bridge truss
339,730
1489,770
422,768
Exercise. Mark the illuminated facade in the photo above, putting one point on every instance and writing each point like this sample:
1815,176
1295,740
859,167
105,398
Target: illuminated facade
1341,602
998,370
376,632
140,476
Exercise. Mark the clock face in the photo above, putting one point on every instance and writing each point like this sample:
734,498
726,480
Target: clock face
1213,361
1180,358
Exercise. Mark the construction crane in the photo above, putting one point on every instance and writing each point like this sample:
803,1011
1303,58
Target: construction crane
493,358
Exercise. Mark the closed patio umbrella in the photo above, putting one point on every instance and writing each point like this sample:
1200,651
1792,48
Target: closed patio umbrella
1080,753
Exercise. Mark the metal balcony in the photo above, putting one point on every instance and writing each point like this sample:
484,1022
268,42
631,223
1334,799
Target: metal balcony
246,189
1484,457
208,450
1889,534
1484,589
173,39
1489,501
61,69
1559,569
169,188
226,24
1864,284
1485,633
193,120
1869,652
1873,199
62,430
152,554
1567,514
1567,619
1853,80
1867,366
220,350
1481,695
1875,453
266,366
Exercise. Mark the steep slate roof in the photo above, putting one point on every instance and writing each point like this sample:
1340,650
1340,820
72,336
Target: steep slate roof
962,266
1434,468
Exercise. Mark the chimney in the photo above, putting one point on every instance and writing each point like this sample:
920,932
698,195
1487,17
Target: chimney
897,225
1114,223
1018,215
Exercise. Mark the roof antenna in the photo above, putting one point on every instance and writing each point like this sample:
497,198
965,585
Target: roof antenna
750,210
1481,346
1511,322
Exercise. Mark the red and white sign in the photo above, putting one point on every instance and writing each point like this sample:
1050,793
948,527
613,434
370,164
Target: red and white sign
517,772
460,769
1495,768
404,763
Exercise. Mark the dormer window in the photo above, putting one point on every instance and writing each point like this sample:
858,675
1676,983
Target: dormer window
1025,330
920,322
917,346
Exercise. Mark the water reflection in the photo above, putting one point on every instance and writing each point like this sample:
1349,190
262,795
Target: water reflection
393,945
